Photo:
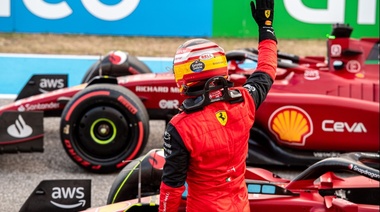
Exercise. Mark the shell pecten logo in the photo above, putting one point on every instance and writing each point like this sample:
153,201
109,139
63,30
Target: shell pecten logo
292,125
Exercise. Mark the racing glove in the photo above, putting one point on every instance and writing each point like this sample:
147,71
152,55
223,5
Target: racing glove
170,198
263,13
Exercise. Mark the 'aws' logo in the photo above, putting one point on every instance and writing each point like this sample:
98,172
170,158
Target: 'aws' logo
51,84
68,193
59,196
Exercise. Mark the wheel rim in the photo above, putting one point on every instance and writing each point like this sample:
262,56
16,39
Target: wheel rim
103,131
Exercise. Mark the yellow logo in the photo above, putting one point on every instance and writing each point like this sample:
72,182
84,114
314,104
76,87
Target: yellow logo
267,13
291,125
222,117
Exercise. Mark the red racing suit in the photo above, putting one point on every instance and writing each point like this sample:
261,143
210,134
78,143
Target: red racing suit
208,148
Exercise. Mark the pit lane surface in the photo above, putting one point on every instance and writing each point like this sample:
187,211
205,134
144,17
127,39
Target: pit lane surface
21,173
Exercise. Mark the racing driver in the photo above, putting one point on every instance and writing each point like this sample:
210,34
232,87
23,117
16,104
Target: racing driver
206,144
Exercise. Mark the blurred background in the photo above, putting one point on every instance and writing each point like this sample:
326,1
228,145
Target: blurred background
301,19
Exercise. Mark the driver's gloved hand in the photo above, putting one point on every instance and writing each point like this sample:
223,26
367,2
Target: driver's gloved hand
263,13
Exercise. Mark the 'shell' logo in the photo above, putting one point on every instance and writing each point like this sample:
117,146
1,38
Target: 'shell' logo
291,125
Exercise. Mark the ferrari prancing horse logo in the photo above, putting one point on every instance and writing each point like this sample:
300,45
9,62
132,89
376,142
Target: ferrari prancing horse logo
222,117
267,13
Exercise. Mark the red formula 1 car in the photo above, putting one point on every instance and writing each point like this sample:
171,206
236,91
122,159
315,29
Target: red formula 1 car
318,107
343,183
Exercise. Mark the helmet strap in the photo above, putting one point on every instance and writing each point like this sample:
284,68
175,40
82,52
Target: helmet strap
203,99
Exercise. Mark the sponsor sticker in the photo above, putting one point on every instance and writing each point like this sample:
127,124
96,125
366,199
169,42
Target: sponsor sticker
19,129
353,66
168,104
339,126
207,56
326,154
152,89
336,50
197,66
156,89
117,57
157,159
39,106
311,74
49,84
365,172
21,126
291,125
60,195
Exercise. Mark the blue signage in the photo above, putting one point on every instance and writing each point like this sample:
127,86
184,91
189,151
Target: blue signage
18,68
108,17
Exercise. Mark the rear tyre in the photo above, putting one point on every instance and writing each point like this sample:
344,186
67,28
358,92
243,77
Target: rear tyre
103,127
116,64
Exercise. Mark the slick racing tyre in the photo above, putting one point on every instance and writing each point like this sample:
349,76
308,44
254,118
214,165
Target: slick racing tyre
103,127
115,64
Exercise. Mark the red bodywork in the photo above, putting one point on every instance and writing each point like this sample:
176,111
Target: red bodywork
333,184
306,199
320,105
